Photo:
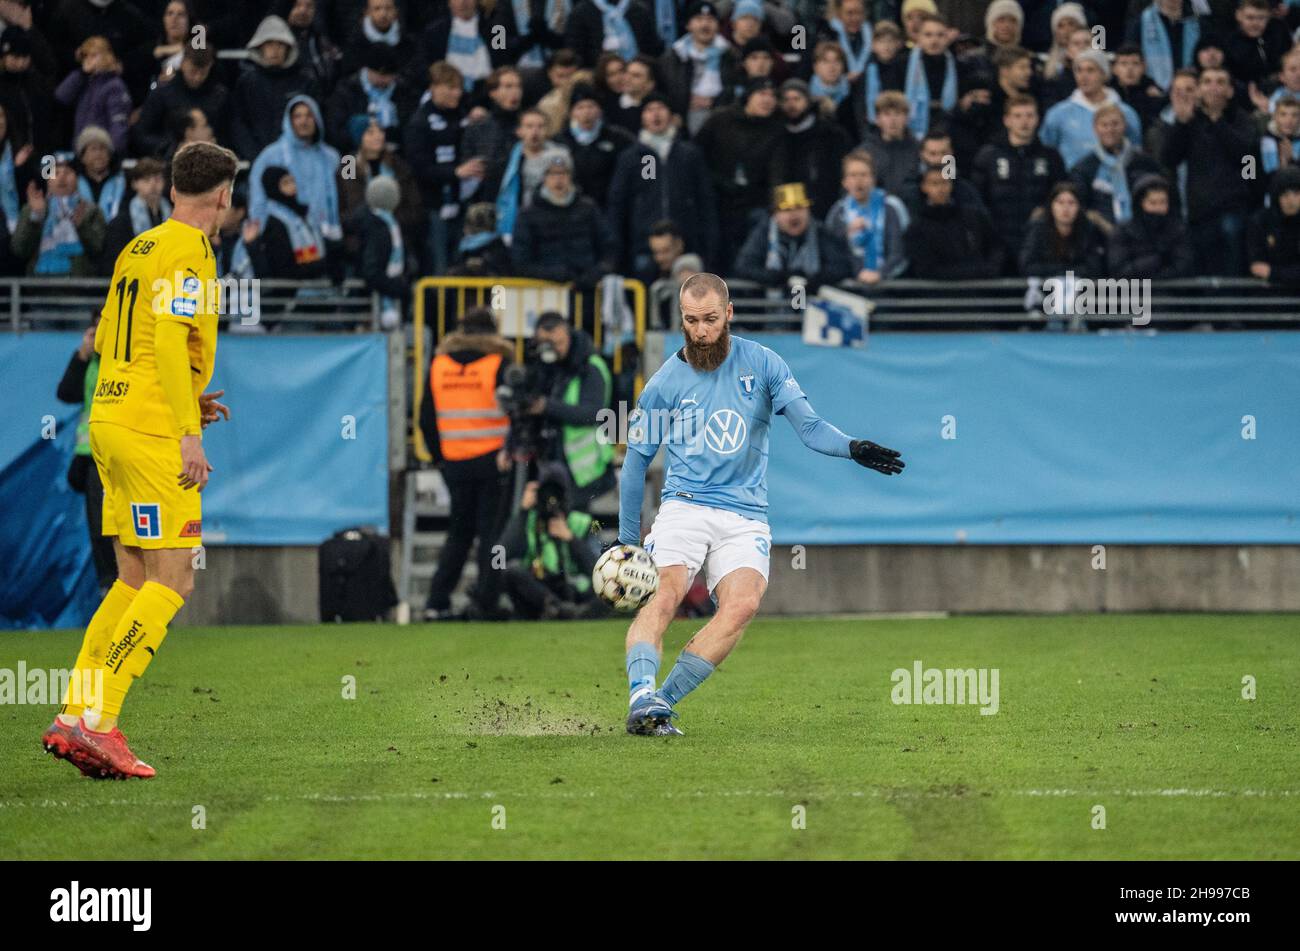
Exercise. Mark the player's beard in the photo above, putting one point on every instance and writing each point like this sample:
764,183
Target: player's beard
709,356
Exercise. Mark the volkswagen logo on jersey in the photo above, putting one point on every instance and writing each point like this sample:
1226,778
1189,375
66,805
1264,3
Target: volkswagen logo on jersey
725,432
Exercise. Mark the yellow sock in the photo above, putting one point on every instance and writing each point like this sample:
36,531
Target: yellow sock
137,638
94,648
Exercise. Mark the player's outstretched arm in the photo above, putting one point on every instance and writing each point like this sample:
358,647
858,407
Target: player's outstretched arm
631,493
820,436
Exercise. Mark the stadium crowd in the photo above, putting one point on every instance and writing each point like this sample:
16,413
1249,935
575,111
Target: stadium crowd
571,139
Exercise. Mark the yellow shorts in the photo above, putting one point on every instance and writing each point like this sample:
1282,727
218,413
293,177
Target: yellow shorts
143,505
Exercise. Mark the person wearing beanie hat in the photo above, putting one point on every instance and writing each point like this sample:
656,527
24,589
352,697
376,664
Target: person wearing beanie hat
681,190
1004,23
593,143
288,245
383,251
59,233
1154,243
1066,20
273,75
758,60
1068,126
698,67
375,93
912,14
100,179
1273,239
561,236
810,148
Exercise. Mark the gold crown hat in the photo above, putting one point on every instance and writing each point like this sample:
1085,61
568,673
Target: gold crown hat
785,197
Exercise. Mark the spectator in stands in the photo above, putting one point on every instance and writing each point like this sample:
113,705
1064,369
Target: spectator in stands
99,175
757,61
747,24
623,26
383,250
145,209
1279,146
936,153
638,82
1063,237
375,93
931,87
886,69
17,15
1289,87
1015,172
593,144
1153,244
529,159
379,23
1254,49
559,72
550,554
194,87
481,251
1135,87
25,94
895,152
1104,178
947,240
229,245
433,147
698,66
791,247
302,150
737,142
1004,23
1214,138
16,170
680,190
186,126
77,386
159,57
1067,127
870,220
1058,89
119,22
466,370
1274,235
810,149
472,39
1067,19
372,158
912,14
561,236
666,246
270,78
847,27
317,50
540,26
97,91
289,244
492,137
1014,68
832,92
59,233
555,104
607,80
1166,34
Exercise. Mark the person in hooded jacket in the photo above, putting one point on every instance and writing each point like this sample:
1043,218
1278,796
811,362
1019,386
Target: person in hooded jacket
271,77
288,244
948,241
1154,243
301,148
1273,239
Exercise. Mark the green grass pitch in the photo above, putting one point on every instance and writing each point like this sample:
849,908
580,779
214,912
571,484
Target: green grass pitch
457,730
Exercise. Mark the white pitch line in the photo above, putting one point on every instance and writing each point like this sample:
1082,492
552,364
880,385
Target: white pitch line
792,795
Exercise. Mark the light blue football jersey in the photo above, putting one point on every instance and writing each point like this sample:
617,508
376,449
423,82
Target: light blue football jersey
715,426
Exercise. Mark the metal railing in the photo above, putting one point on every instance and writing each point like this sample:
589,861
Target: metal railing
1017,302
34,303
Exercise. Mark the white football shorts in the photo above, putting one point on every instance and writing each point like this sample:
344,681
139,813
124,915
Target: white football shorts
693,535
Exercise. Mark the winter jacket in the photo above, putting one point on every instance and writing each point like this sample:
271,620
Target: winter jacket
953,242
585,31
152,136
314,166
593,164
1013,180
836,263
1043,254
1151,246
101,99
1213,150
811,151
897,162
561,242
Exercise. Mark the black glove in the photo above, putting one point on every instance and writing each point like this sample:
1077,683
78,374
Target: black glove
866,453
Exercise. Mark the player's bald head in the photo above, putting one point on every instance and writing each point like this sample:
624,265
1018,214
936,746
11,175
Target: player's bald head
700,286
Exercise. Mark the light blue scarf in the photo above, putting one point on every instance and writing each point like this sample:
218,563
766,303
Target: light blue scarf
462,50
1268,152
872,79
508,196
304,235
473,242
918,92
614,18
857,61
390,307
806,261
8,188
837,93
584,136
60,242
141,220
1112,177
869,243
709,65
380,100
523,19
1155,45
110,194
666,20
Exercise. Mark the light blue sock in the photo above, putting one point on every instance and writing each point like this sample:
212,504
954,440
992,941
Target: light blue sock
688,673
642,668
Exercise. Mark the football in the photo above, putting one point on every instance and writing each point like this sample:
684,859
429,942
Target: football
625,577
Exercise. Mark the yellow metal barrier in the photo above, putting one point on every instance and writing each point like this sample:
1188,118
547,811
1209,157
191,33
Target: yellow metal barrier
511,305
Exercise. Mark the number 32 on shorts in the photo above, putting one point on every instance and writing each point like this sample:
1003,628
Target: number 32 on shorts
762,544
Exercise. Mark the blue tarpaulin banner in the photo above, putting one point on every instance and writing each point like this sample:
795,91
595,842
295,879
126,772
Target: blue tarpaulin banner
1080,439
304,455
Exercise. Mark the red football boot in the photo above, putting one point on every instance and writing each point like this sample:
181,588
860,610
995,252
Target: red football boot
106,755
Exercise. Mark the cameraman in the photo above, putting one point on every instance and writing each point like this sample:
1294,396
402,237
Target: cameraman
550,553
465,432
579,387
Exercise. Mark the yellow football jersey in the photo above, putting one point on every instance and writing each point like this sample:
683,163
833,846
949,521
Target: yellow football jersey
166,273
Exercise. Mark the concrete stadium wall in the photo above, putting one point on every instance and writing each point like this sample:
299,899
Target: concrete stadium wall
246,585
